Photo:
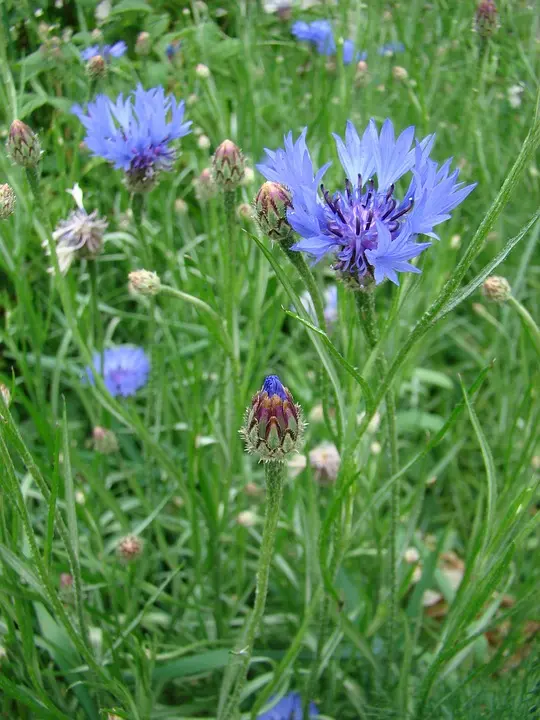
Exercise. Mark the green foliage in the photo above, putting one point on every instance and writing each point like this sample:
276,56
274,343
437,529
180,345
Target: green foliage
152,639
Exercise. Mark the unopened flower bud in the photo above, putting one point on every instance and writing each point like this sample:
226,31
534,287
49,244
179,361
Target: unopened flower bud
23,145
205,187
202,71
325,461
486,21
411,556
271,206
228,166
180,206
249,176
273,426
399,73
496,289
96,67
244,211
7,201
66,581
203,141
144,282
129,548
246,518
5,395
252,490
104,441
142,45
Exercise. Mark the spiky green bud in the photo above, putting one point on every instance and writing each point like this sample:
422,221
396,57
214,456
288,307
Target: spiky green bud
228,166
273,425
144,282
23,145
8,200
497,289
271,204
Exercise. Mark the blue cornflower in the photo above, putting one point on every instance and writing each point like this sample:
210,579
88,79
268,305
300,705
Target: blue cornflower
318,33
371,232
288,708
125,369
390,49
107,52
135,134
172,49
349,54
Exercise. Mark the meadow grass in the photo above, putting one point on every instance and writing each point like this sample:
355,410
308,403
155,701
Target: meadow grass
84,634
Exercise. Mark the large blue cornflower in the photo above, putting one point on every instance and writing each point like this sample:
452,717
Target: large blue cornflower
318,33
107,52
370,230
125,369
136,133
288,708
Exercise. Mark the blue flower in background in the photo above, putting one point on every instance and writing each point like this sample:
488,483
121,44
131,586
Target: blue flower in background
392,48
125,369
106,51
135,133
172,49
349,54
288,708
318,33
371,232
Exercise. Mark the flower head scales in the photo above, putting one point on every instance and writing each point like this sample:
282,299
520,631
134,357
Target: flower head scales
369,228
135,133
125,369
288,708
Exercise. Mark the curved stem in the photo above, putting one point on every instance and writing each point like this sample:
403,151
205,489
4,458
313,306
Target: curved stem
275,476
528,321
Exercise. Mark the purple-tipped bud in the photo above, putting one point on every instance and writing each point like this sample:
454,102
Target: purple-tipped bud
96,67
273,426
486,21
23,145
7,201
271,206
228,166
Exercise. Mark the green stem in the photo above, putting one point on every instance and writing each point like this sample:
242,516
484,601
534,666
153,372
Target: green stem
97,325
365,302
528,322
275,473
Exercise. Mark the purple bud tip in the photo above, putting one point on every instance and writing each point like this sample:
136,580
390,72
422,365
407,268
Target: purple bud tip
272,385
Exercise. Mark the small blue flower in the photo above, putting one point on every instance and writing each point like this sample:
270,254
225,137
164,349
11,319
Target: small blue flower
390,49
172,49
273,386
288,708
107,52
125,369
135,134
349,54
318,33
371,231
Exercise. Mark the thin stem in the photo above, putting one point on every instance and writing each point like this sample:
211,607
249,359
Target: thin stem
365,302
528,321
275,476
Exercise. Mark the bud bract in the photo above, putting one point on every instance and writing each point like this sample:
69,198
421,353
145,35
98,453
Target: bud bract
271,206
104,441
228,166
496,288
142,46
23,145
96,67
486,18
144,282
273,426
7,201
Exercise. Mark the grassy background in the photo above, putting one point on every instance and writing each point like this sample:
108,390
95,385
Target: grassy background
157,633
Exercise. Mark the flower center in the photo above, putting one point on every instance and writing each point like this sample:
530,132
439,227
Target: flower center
352,216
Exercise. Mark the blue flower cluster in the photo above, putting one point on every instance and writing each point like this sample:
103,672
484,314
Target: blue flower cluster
288,708
135,133
370,230
107,52
319,33
125,369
